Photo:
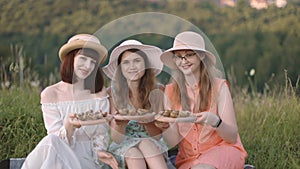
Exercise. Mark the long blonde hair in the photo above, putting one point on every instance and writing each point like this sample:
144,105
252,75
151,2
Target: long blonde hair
206,84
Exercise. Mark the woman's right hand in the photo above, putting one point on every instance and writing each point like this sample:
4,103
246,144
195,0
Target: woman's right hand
108,158
162,125
69,125
120,122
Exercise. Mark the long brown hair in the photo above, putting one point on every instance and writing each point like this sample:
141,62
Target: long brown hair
121,91
94,82
205,92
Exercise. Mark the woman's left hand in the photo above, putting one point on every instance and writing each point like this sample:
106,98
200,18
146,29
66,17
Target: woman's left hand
206,118
108,159
146,119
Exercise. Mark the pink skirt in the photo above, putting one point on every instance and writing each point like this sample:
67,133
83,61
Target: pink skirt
221,157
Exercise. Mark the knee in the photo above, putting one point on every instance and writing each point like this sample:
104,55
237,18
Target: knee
147,143
134,153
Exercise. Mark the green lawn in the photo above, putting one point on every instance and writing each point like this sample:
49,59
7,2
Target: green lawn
268,124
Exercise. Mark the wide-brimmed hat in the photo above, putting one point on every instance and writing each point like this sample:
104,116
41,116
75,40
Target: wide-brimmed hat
153,53
186,41
83,41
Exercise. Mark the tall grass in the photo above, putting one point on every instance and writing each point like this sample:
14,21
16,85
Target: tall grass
268,124
21,122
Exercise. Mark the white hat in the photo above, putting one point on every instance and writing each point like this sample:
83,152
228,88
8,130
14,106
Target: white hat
186,41
153,53
83,41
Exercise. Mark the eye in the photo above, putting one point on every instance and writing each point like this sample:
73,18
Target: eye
82,58
190,54
137,60
93,62
124,62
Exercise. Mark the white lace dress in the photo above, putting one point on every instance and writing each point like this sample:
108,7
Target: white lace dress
55,151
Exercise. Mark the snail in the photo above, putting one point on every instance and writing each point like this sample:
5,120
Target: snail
142,111
91,115
133,111
176,113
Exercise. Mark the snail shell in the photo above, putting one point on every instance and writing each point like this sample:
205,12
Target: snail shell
184,113
123,111
142,111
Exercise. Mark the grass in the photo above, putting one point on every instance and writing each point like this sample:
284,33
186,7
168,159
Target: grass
268,125
21,122
269,128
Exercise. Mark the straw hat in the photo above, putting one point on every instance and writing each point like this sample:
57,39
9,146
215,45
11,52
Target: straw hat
83,41
186,41
152,53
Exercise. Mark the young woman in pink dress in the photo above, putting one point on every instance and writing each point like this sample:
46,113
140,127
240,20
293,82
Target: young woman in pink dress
212,140
70,145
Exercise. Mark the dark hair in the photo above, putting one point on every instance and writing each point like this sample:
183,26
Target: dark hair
94,82
147,83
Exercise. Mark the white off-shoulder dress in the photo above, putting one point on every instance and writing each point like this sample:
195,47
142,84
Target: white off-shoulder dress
55,150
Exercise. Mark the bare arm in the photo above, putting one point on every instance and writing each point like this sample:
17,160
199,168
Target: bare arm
118,128
228,129
153,130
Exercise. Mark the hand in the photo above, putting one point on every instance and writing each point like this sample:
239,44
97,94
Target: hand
119,122
146,119
70,124
162,125
108,159
206,118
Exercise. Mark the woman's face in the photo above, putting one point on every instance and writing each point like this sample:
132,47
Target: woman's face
187,61
83,66
132,66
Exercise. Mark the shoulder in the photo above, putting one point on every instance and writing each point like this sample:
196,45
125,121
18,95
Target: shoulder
103,93
169,89
49,94
218,83
170,86
108,90
160,86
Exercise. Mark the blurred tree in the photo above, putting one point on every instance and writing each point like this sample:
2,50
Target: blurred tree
245,38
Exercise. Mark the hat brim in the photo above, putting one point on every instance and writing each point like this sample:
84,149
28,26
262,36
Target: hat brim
65,49
167,55
152,53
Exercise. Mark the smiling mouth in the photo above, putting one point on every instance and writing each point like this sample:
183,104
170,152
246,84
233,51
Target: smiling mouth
186,66
85,72
133,72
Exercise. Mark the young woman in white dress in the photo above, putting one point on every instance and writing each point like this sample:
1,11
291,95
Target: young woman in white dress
69,145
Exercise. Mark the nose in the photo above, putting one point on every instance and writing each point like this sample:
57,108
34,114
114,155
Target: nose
183,60
132,65
88,64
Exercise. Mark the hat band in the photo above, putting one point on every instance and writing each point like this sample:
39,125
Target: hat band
186,46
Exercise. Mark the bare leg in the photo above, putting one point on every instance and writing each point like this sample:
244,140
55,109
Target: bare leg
152,155
134,159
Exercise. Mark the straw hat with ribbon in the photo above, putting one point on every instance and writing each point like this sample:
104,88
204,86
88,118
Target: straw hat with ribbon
186,41
152,53
83,41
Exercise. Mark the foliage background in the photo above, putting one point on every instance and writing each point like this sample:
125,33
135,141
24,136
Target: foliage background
245,38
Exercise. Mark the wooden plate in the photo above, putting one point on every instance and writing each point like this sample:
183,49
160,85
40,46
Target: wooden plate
140,118
91,122
162,118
